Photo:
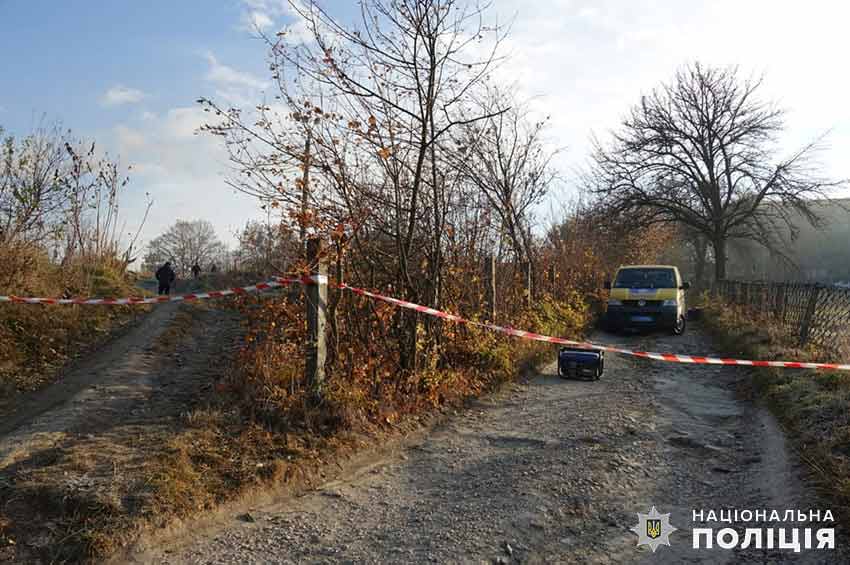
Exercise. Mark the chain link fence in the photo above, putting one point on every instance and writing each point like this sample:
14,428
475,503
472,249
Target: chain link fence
815,313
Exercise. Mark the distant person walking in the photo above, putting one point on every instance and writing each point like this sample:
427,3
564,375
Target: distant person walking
214,268
165,276
196,270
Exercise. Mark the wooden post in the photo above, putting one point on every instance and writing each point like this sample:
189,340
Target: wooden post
490,286
316,303
305,193
529,289
808,317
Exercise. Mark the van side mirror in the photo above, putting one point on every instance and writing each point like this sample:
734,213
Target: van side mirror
607,285
685,286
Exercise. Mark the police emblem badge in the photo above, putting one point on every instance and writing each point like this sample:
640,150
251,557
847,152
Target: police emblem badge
653,529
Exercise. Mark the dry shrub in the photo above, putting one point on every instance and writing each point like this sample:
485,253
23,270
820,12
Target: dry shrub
36,340
366,385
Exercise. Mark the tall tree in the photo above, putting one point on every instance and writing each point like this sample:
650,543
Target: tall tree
702,151
185,244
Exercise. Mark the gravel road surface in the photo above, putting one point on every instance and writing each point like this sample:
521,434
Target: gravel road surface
549,471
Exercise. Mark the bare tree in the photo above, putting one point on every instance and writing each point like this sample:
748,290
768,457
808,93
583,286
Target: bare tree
506,158
57,193
362,144
93,227
267,248
701,152
186,243
32,185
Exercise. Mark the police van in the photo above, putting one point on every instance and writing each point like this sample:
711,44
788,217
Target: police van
647,296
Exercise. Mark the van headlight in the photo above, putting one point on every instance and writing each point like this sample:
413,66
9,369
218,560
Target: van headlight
671,303
614,302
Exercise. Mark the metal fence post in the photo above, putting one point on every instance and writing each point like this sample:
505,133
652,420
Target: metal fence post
490,286
316,304
808,317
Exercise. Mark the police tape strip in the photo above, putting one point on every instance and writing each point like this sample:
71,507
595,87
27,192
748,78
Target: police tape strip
669,357
276,282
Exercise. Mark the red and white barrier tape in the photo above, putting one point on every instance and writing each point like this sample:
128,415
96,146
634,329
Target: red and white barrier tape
268,285
670,357
284,281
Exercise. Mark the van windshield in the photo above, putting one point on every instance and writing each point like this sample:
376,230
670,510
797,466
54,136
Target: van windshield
645,278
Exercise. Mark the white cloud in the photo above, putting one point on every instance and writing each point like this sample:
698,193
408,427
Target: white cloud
256,20
228,76
297,29
584,62
265,14
587,62
183,123
129,138
183,172
260,14
119,94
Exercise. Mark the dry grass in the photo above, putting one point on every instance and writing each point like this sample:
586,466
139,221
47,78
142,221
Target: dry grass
812,405
36,341
251,429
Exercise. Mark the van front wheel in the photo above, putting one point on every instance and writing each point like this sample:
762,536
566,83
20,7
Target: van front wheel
679,327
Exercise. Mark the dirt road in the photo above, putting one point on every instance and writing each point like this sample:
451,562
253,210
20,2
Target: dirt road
550,471
83,440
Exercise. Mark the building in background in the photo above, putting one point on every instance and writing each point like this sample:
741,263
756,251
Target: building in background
815,255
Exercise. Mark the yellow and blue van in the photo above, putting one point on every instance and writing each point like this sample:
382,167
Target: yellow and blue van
647,296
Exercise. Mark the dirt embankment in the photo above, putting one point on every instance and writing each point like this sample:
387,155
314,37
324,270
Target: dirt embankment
548,471
77,459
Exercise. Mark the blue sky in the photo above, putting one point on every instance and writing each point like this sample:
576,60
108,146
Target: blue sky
127,74
61,57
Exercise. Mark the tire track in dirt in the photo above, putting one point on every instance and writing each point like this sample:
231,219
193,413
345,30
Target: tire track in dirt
550,472
100,386
87,439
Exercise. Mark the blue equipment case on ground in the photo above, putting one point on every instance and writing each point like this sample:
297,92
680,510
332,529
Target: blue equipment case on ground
574,362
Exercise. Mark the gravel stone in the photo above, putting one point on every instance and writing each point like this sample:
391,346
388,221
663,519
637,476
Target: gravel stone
563,465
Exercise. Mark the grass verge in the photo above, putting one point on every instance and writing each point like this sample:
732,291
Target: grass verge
811,405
